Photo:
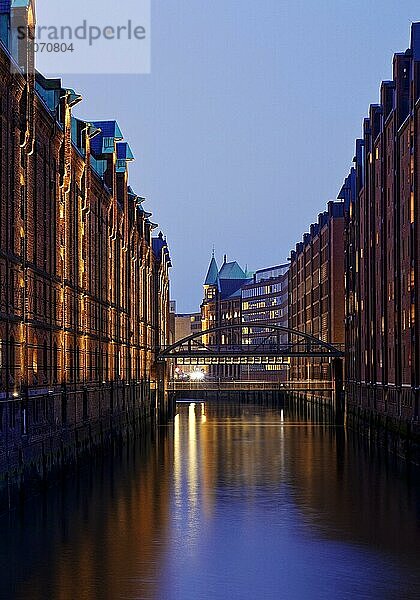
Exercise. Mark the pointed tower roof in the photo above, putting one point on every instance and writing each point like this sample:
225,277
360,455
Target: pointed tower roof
212,273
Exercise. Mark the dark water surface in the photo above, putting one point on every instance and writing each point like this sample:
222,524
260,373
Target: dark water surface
232,501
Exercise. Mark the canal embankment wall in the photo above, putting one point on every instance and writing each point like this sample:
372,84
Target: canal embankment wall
398,435
45,436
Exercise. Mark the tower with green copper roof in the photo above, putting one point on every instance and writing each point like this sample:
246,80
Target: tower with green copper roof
212,273
211,281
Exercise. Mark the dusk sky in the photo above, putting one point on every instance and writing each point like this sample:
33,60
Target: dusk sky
246,126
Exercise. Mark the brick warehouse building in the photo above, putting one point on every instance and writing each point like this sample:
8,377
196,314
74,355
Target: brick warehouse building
382,252
84,290
316,284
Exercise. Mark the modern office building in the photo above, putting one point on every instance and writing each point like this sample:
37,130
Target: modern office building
316,289
265,300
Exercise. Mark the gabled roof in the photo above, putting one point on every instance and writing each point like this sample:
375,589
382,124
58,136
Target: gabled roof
124,155
160,245
105,141
124,151
228,280
231,270
109,129
212,273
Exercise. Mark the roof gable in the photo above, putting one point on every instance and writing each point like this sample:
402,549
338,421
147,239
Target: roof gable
231,270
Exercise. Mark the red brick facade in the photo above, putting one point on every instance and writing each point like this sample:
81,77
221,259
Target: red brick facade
84,290
316,283
382,251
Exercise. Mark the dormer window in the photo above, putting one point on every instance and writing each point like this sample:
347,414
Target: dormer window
121,166
108,144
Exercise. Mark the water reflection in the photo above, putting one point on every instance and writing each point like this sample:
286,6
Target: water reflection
233,501
99,535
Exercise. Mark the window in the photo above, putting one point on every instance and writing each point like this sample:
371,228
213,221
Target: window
71,364
77,365
12,359
55,362
45,359
22,202
108,142
35,357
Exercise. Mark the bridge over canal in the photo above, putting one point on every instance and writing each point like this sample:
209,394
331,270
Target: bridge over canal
195,350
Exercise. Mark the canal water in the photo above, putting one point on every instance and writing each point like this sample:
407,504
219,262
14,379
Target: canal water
229,502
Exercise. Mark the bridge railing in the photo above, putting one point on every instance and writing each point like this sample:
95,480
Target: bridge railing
251,347
297,386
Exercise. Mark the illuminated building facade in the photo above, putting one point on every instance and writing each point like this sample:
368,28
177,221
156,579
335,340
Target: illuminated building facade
383,253
316,290
222,307
84,287
187,324
265,299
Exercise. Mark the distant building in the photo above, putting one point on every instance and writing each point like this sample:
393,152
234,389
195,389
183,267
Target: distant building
222,307
196,325
265,299
186,325
172,311
316,289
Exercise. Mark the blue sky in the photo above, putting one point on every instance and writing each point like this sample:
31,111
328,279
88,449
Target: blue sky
246,126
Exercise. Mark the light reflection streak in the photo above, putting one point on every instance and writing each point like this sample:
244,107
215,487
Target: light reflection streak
177,461
192,478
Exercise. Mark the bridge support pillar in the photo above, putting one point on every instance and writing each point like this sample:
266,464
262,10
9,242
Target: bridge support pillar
339,397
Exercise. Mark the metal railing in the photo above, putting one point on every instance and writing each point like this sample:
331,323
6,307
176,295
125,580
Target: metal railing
303,350
237,385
